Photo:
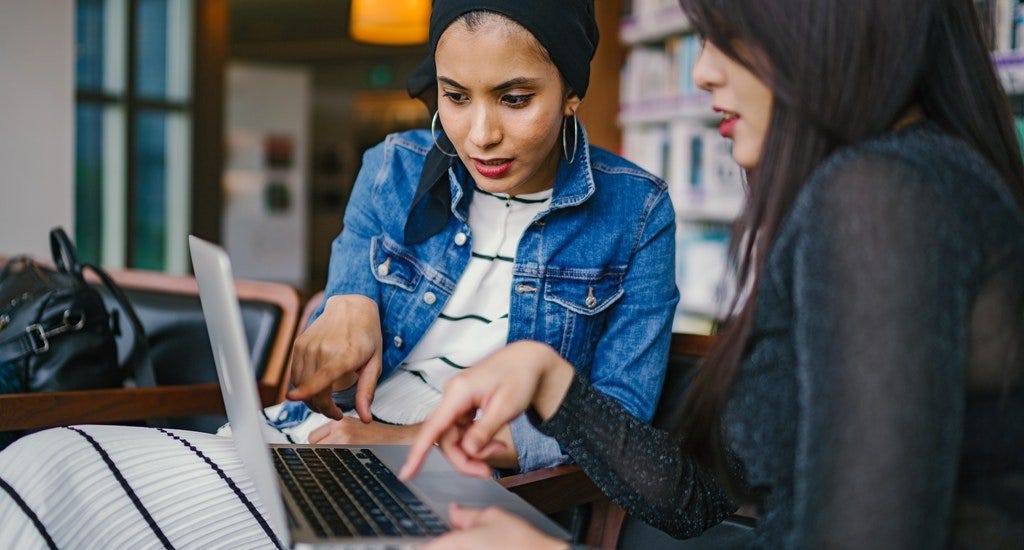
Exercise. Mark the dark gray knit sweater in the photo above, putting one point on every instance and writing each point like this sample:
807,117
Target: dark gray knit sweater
881,403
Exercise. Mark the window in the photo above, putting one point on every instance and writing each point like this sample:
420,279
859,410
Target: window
133,130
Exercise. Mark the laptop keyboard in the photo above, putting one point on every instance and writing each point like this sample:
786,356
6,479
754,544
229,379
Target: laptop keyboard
352,494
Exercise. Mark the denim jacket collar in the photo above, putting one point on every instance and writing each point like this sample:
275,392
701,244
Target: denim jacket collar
574,183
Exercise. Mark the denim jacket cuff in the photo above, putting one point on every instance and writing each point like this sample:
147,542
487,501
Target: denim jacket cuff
535,449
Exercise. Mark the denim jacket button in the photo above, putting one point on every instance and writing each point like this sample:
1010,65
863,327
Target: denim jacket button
398,342
591,301
460,238
429,298
382,269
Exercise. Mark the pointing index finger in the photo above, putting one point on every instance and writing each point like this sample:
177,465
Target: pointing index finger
443,418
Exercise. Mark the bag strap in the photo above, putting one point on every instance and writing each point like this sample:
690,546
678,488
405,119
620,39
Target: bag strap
65,257
138,359
35,340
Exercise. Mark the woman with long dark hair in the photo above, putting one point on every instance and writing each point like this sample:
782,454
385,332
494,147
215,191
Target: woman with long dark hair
866,389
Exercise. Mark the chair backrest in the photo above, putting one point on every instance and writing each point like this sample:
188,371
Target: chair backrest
685,351
172,317
187,394
309,309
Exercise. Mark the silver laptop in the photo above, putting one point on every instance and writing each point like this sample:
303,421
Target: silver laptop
330,495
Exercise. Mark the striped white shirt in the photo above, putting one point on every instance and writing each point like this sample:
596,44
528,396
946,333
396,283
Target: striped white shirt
474,322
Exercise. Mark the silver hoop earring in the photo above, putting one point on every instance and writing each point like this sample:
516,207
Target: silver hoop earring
433,134
575,138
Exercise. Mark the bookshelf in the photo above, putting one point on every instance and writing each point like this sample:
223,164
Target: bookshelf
668,128
1010,66
1003,24
686,105
652,23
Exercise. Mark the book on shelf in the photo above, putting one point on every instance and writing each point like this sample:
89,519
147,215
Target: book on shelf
644,9
704,181
651,21
1004,20
696,164
701,263
659,72
1002,24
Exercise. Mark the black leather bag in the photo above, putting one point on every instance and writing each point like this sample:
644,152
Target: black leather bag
55,332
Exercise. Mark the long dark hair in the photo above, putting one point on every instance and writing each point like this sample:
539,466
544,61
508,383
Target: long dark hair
841,72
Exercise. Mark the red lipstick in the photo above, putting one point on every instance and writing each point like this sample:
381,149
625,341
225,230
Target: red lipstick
494,168
726,127
728,124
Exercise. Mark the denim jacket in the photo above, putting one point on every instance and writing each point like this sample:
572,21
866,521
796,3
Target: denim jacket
593,276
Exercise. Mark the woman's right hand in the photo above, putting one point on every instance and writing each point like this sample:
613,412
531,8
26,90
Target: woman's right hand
501,387
342,347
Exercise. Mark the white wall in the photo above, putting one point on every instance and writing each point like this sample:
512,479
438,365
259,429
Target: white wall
265,101
36,123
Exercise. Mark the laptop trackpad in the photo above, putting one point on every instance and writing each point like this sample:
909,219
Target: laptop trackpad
444,488
394,456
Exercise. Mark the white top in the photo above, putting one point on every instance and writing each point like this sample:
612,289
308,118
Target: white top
474,322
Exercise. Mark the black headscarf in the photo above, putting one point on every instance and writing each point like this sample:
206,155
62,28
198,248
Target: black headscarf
568,31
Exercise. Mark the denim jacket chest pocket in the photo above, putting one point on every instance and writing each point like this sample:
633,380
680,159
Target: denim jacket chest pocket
576,305
393,266
399,273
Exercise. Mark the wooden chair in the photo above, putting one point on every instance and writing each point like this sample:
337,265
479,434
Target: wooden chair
171,315
564,487
309,309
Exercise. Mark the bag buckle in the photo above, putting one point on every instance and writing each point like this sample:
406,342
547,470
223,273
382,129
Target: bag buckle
40,339
36,336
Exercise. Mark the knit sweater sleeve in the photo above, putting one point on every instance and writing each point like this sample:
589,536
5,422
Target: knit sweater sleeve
638,466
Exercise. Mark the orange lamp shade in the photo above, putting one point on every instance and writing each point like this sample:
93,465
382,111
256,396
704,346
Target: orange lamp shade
390,22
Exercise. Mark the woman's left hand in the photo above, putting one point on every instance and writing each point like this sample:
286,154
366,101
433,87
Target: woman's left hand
352,431
492,528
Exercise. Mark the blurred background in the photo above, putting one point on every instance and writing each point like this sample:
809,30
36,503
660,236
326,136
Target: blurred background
133,123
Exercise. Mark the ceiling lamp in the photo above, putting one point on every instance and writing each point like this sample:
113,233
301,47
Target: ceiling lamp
390,22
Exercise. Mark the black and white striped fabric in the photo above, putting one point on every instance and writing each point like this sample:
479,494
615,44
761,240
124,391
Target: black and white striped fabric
127,487
474,322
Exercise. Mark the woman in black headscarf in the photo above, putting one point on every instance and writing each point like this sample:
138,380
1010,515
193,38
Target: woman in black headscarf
532,235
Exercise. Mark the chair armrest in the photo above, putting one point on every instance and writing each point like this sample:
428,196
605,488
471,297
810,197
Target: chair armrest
27,411
563,487
553,489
